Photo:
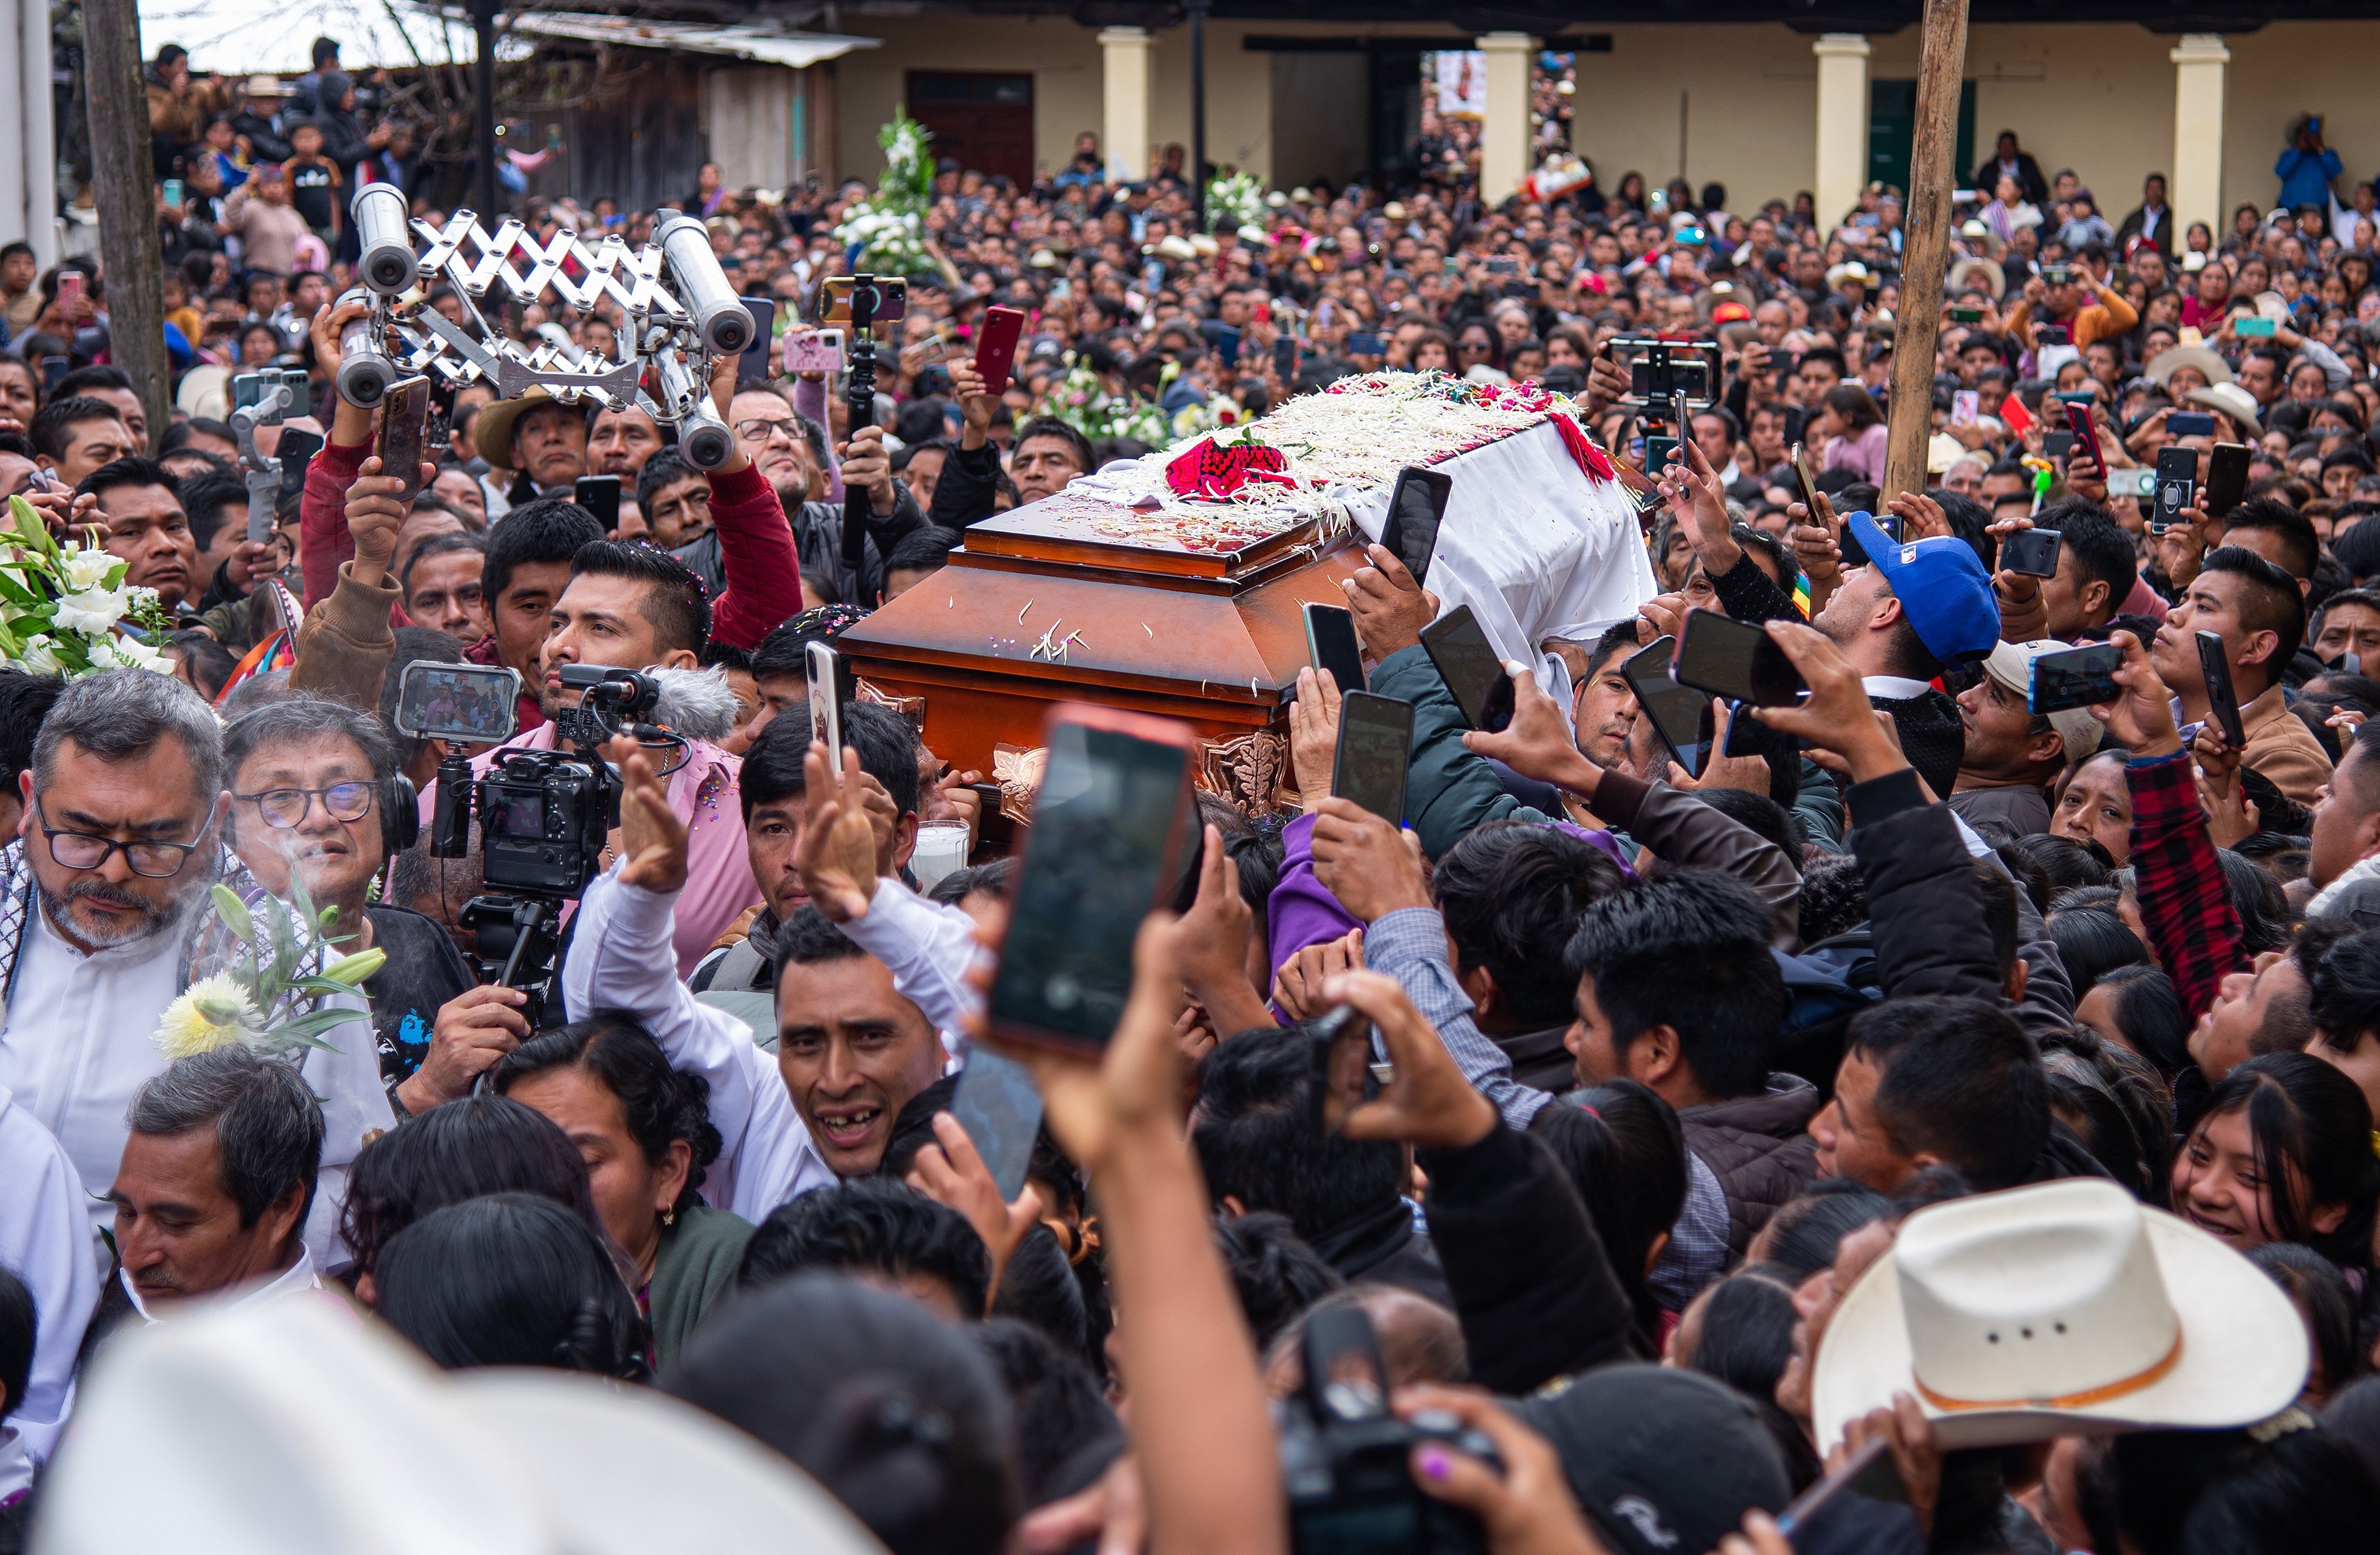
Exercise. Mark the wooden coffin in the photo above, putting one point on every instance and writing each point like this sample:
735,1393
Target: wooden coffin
1049,604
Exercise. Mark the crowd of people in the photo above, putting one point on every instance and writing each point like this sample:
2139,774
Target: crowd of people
1919,1078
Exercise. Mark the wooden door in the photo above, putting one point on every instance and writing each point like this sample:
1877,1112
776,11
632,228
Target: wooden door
985,121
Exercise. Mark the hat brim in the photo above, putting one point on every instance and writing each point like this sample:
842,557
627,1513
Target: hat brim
492,431
1983,272
2160,369
2244,1356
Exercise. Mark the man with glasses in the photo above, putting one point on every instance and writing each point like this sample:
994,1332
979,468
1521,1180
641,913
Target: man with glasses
101,902
308,781
773,442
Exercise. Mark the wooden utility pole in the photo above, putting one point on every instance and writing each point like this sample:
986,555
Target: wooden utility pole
124,182
1927,223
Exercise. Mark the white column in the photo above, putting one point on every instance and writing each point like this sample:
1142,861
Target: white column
1504,138
28,164
1842,169
1124,120
2197,192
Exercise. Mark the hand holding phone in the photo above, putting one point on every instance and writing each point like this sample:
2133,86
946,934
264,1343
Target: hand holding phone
1416,507
2032,553
2176,487
2222,700
995,353
2077,677
1332,645
1680,715
1374,754
1467,662
1734,661
405,409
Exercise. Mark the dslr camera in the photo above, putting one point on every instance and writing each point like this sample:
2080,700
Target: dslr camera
1346,1459
545,817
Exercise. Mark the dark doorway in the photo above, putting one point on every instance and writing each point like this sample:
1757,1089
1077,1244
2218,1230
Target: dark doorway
1892,128
984,121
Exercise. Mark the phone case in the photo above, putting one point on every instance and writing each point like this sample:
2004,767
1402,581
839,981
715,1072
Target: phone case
405,408
1005,1023
1002,327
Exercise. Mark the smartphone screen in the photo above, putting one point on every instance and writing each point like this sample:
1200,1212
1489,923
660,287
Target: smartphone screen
2190,423
1332,645
599,494
2058,444
999,1106
2032,553
2222,701
755,363
1416,506
2075,678
2227,478
1375,746
1108,833
297,448
2176,486
1467,662
995,353
1680,714
471,704
404,409
826,707
1739,662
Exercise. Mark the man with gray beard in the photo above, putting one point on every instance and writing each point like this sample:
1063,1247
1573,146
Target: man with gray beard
100,900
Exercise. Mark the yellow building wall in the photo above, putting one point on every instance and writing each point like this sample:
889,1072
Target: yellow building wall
2096,97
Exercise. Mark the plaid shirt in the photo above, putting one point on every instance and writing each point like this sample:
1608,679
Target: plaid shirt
2184,905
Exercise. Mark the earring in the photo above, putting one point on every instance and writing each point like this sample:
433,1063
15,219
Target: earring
669,1216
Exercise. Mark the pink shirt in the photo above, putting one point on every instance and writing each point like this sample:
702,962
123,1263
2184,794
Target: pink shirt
704,793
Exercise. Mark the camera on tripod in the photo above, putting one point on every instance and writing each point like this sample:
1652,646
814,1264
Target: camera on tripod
545,816
1346,1461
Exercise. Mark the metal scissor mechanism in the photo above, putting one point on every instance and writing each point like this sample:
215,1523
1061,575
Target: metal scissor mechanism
682,315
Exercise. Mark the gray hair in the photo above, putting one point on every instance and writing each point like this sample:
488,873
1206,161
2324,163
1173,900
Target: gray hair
119,714
303,721
699,704
268,1126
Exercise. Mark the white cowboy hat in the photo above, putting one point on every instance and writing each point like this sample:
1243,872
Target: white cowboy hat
2160,367
1983,272
2230,399
320,1400
2062,1309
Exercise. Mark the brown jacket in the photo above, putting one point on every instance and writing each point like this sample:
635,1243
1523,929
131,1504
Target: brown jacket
344,644
2283,748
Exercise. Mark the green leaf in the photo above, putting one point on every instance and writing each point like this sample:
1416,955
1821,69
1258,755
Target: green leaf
318,987
286,951
234,911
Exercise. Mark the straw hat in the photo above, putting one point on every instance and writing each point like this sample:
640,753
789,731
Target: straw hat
1969,274
491,434
2061,1309
2230,399
319,1401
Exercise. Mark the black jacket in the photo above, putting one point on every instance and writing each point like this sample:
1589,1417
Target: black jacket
1532,1284
1387,1250
1759,1148
969,481
2030,182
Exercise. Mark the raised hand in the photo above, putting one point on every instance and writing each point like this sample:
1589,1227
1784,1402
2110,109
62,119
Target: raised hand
1390,608
652,839
837,854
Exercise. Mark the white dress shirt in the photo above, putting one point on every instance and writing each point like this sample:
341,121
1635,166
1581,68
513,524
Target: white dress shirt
927,947
298,1276
78,1044
621,959
46,1237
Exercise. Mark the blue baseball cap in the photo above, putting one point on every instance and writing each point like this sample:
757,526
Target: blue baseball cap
1942,588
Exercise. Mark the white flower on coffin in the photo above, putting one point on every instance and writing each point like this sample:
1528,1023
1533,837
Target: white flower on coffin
90,611
39,658
87,569
131,653
215,1012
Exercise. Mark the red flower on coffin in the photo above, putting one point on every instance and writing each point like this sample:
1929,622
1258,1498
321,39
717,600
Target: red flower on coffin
1215,471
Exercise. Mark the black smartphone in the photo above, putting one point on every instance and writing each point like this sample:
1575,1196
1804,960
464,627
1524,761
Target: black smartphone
1375,747
1107,841
2052,335
1680,715
1468,664
1869,1472
1730,660
2190,423
755,363
1226,342
2176,486
1361,343
2227,478
1332,645
297,448
1660,449
2222,700
1416,507
2058,445
2032,553
1802,478
1284,357
2086,436
470,704
1000,1107
1966,315
599,494
2078,678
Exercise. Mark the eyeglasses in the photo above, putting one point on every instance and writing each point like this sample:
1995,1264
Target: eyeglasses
757,431
79,850
287,807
